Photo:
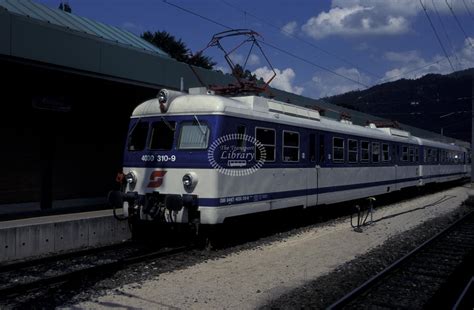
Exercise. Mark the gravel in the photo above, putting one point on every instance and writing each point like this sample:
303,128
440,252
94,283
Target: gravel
327,289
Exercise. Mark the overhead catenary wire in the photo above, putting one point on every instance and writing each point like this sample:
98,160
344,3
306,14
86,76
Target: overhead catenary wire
459,23
196,14
446,33
467,9
311,63
268,44
436,34
342,59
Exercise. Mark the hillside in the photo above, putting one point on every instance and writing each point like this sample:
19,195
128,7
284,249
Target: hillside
438,103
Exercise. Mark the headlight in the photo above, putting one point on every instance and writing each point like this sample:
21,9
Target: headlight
131,178
162,98
190,180
187,180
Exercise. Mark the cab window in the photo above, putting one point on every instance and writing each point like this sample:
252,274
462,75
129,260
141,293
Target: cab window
162,135
193,135
137,136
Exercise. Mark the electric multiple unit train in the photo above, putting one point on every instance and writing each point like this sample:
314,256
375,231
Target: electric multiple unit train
202,158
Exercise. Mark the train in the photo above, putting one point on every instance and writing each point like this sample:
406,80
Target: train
200,158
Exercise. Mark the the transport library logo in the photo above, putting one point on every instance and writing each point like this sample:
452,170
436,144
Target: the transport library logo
236,154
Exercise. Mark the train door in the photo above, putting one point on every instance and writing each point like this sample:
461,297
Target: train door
312,172
395,159
320,161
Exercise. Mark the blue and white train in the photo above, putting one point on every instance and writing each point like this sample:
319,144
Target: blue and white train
202,158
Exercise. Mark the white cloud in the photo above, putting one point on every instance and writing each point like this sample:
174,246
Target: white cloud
354,21
372,17
325,84
403,7
253,60
404,57
467,53
283,80
237,58
290,28
412,65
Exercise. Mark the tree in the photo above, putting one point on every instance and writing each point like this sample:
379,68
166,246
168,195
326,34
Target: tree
65,7
177,49
239,72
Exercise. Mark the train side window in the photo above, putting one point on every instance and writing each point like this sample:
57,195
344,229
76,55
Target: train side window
241,131
193,135
385,152
162,135
429,156
137,136
291,146
312,147
375,152
352,150
266,136
417,154
338,150
411,154
404,153
322,151
364,146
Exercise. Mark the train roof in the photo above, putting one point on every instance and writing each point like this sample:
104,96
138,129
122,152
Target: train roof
265,109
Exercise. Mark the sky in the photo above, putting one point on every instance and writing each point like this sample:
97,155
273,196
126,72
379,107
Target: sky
317,48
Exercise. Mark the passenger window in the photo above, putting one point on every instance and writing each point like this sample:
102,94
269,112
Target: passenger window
429,156
137,137
338,149
193,135
364,146
411,154
291,146
352,150
375,152
162,135
312,147
267,138
417,154
404,153
385,152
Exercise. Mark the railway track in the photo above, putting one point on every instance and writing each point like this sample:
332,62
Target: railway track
29,277
433,275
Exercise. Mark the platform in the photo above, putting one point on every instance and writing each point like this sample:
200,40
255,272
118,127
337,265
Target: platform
47,235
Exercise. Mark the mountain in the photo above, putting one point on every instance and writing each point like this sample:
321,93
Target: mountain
434,102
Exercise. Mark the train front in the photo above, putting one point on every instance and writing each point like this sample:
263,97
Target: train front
164,159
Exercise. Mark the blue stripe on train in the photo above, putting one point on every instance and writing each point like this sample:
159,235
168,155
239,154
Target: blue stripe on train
224,201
